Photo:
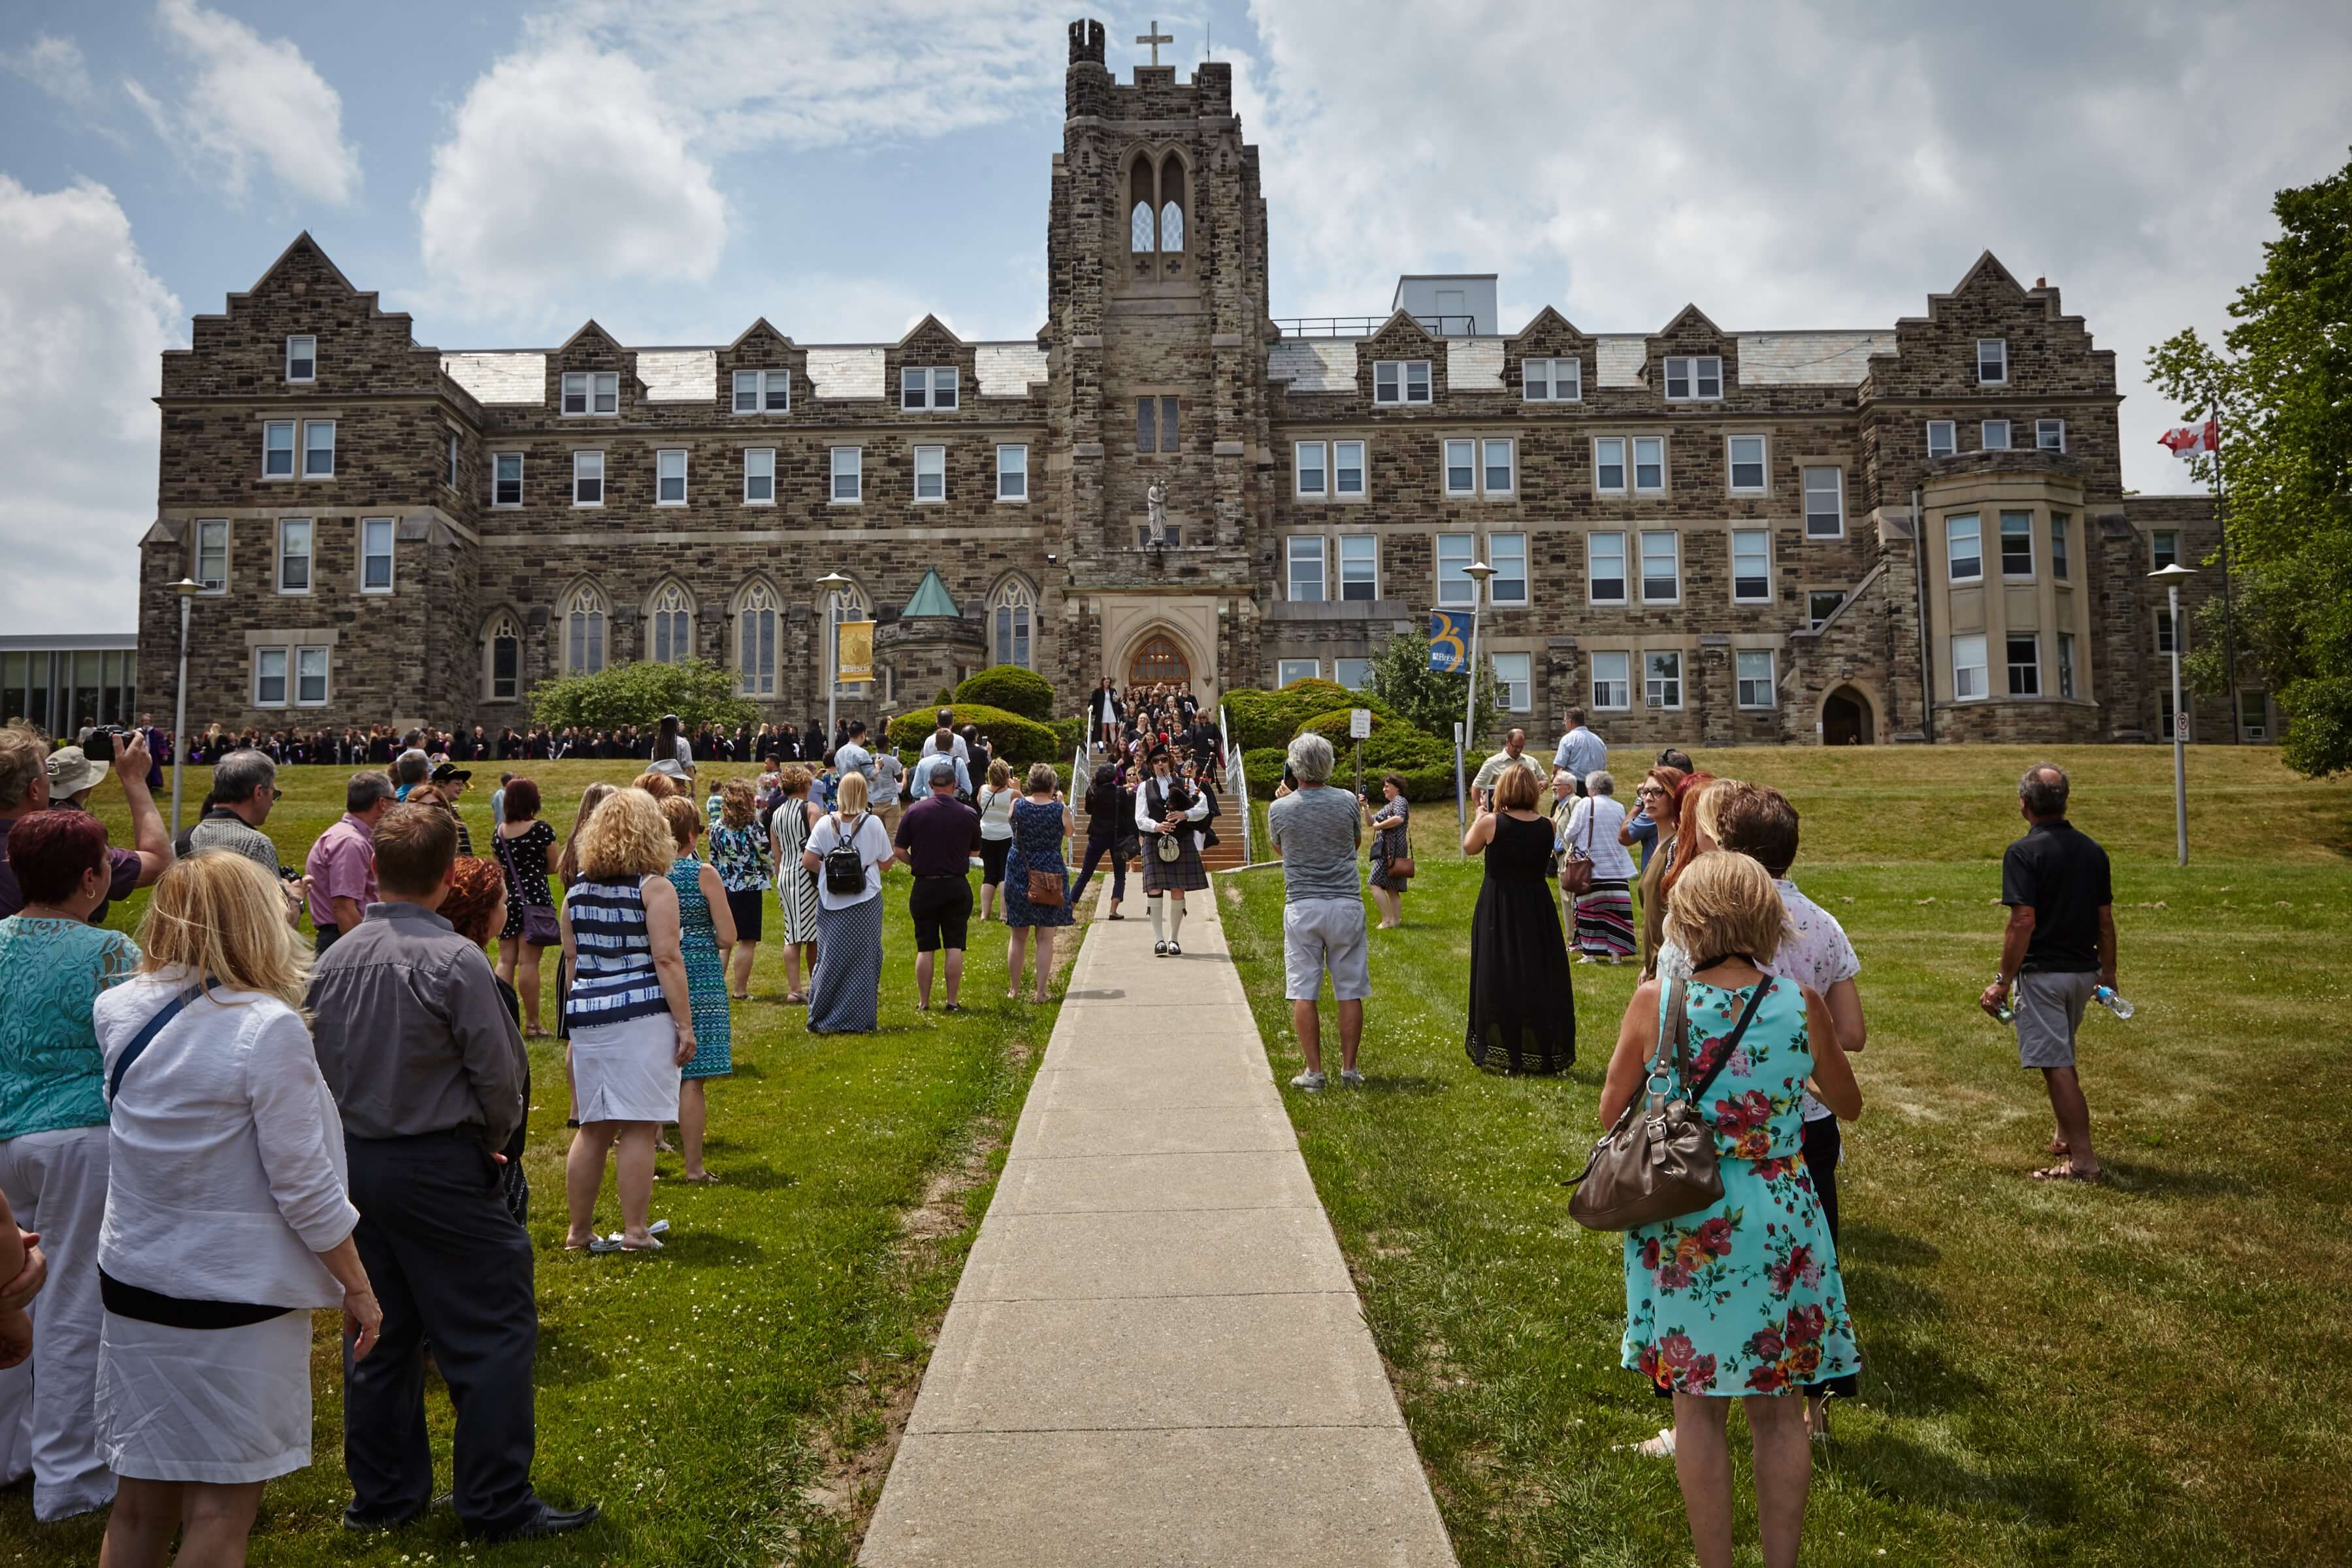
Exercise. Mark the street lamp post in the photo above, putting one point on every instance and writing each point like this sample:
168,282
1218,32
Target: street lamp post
2171,578
1477,572
832,582
187,588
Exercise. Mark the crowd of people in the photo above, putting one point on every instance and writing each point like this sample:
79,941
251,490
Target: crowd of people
377,745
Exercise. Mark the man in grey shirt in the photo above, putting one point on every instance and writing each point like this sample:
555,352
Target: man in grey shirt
852,756
245,786
1581,751
1316,830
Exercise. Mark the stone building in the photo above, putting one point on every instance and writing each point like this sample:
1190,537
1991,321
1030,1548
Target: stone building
1705,536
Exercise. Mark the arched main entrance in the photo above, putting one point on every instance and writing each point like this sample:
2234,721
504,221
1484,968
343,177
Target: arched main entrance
1845,719
1158,662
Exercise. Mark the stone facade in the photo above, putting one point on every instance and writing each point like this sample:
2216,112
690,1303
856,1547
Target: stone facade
548,510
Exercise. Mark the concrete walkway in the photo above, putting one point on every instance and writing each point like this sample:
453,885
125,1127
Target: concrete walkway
1156,1354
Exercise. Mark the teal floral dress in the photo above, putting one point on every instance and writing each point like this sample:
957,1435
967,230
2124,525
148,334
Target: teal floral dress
706,976
1743,1297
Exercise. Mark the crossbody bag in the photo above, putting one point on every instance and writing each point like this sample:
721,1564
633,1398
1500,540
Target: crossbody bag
539,926
1576,871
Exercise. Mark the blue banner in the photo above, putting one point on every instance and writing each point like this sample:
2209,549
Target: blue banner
1449,647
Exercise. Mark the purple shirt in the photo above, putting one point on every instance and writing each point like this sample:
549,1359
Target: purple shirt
342,865
122,864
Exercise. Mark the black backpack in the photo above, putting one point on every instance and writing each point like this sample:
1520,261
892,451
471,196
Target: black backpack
845,867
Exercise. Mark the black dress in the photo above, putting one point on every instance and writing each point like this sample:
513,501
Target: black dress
1522,1009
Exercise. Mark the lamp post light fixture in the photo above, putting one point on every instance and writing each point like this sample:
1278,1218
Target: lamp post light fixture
1477,572
2172,577
188,588
832,582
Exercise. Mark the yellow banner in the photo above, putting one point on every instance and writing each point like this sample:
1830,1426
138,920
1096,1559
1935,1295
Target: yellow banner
857,652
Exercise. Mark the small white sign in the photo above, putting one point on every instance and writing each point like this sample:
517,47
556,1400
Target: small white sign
2180,725
1457,734
1359,724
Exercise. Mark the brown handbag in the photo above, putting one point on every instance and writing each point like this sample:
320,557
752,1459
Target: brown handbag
1576,871
1659,1161
1046,888
1401,868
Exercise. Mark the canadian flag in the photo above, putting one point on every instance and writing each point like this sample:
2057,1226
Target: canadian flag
2193,440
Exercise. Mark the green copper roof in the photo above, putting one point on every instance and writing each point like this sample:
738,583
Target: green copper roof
930,599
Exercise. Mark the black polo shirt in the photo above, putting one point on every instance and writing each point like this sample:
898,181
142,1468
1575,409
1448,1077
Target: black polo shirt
2062,873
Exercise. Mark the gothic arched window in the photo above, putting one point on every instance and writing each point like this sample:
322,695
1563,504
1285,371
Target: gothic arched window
501,659
1139,230
583,631
1012,623
669,630
756,614
1142,237
1172,205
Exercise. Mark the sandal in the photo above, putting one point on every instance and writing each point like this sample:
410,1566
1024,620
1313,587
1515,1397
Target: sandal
2066,1174
704,1180
606,1244
1661,1447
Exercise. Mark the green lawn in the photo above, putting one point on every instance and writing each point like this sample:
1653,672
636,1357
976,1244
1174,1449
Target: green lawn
2153,1371
700,1395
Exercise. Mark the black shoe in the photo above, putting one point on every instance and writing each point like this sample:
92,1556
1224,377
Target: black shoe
399,1518
1175,951
1158,950
543,1522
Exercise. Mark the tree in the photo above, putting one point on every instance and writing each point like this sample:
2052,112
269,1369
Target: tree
698,692
2283,394
1427,700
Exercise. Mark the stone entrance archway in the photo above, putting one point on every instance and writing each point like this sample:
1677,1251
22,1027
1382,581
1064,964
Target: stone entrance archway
1846,719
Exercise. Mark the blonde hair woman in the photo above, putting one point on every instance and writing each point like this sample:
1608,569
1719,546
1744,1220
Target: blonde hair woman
789,826
706,932
227,1218
1041,821
846,995
1522,1001
632,1018
995,803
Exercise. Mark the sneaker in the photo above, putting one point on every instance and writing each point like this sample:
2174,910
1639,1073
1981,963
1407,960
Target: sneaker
1307,1082
1350,1077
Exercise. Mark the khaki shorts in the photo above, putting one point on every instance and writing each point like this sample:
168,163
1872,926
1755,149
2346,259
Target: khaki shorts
1325,934
2049,1010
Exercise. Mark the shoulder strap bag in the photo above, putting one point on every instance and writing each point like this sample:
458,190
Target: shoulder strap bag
540,925
1659,1161
147,1033
1576,871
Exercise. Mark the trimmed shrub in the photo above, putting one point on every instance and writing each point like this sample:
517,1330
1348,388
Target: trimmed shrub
1017,739
1071,732
1019,691
1263,766
1271,718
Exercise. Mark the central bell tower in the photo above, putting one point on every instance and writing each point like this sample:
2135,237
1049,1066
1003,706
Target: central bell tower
1157,327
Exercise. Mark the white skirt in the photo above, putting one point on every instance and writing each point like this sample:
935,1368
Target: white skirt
220,1405
626,1071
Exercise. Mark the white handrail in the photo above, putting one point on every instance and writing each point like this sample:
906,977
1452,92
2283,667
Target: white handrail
1237,782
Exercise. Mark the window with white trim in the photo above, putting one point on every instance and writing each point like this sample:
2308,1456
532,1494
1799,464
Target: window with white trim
1824,503
583,632
2024,664
670,626
1753,667
1694,380
1013,473
317,448
1751,566
302,358
2163,548
669,477
1498,468
848,475
1355,674
1462,468
592,391
1604,568
278,449
1347,470
269,678
212,554
1661,679
1661,578
1287,670
1514,683
294,538
1992,435
1612,681
310,676
2061,523
2066,664
1648,464
930,473
936,387
449,475
1310,477
502,661
1551,379
506,479
1942,439
763,391
1305,569
1359,567
1968,669
1993,362
2017,544
376,555
1821,603
756,615
758,475
1401,381
1012,618
1746,457
587,478
1608,463
1964,548
2050,435
1455,552
1508,554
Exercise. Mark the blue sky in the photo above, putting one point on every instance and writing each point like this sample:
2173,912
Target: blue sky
504,172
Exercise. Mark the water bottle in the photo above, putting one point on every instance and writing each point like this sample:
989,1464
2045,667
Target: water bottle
2003,1014
2108,998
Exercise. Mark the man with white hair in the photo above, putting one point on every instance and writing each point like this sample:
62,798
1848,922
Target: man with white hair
1316,830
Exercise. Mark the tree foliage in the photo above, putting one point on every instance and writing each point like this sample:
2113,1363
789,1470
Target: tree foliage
2283,391
1010,688
1017,739
1427,700
698,692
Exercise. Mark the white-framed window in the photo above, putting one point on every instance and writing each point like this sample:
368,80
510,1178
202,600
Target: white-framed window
2066,664
587,478
449,475
1753,667
1604,568
1648,464
1011,620
1355,674
930,473
2164,629
1305,568
1661,577
1347,470
1514,685
502,659
2017,544
2050,435
1751,566
1693,380
1013,473
278,449
1824,503
583,632
1612,681
670,626
1608,463
1968,669
1508,554
936,387
592,391
1401,381
1661,679
269,676
1993,362
2253,714
1551,379
763,391
1462,468
310,676
2024,664
1942,440
669,477
1287,670
2061,524
212,554
317,448
302,358
1310,478
375,554
758,475
848,475
1359,567
1745,456
1964,548
2163,548
1821,603
1992,435
1499,466
506,479
294,538
1456,552
756,615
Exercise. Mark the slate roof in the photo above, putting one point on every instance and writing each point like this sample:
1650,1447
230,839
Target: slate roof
504,376
678,376
1313,364
1810,359
845,373
1617,358
1473,364
1007,369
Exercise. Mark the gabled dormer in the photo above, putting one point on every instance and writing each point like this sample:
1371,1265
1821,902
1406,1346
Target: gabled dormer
592,376
929,371
1403,365
1691,360
301,331
1991,339
761,372
1548,361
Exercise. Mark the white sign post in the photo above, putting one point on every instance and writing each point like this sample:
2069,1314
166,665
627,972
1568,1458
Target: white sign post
1359,724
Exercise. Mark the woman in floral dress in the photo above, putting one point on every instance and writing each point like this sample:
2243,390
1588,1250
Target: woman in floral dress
1040,822
1741,1300
739,848
706,930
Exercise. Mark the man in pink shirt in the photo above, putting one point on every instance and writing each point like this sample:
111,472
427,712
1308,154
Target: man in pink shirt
341,864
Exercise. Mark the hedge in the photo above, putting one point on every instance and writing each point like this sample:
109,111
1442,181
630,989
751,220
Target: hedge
1017,739
1016,691
1271,718
1070,733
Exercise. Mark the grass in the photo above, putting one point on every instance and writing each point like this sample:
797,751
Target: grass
714,1399
2148,1372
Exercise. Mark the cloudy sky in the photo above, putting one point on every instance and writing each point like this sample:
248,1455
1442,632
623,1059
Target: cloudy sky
677,169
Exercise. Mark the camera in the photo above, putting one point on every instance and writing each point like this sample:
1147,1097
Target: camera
100,745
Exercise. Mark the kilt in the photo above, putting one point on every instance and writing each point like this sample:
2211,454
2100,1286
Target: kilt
1185,873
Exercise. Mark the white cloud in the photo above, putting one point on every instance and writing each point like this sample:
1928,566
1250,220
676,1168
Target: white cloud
81,324
249,99
55,66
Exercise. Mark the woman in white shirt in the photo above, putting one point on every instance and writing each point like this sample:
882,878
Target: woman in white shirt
227,1219
1604,913
846,996
995,803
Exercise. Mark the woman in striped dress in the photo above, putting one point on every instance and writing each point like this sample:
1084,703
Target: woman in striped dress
788,828
631,1012
846,997
706,932
1603,912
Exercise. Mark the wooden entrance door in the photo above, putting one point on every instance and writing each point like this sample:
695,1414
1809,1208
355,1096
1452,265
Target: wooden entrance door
1845,719
1158,662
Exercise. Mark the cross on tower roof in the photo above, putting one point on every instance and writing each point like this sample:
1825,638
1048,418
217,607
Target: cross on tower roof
1155,39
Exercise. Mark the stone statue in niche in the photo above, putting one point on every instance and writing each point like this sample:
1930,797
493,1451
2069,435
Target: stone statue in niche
1155,504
